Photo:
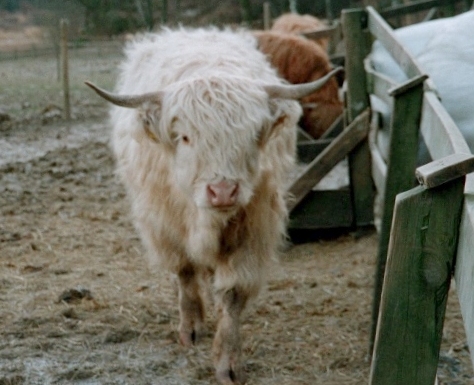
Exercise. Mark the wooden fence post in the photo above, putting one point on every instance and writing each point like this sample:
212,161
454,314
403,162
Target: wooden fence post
357,44
267,17
401,166
420,264
65,67
329,13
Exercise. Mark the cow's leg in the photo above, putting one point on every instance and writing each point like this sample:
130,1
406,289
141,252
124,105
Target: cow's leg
227,345
191,307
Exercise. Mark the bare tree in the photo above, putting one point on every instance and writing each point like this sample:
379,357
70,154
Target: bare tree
246,10
145,10
164,11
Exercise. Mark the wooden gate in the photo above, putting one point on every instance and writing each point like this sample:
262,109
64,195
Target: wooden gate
426,232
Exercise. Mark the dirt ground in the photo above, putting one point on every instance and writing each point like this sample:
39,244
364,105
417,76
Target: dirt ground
79,305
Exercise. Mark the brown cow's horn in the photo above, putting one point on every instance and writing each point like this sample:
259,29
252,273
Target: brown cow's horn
297,91
130,101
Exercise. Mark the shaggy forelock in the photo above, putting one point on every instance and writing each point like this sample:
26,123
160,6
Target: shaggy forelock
218,105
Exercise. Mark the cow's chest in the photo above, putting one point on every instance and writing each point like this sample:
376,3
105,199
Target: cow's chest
233,235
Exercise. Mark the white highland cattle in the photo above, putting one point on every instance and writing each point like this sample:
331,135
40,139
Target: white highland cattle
204,145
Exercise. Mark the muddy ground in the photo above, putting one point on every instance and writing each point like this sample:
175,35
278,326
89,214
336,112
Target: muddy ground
79,305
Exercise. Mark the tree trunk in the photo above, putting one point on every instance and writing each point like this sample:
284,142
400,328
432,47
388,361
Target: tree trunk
246,10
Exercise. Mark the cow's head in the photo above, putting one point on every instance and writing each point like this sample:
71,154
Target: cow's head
216,128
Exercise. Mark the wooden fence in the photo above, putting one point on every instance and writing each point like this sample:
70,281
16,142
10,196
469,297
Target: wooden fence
426,232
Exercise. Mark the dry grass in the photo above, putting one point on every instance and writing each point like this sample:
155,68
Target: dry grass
31,89
67,227
305,326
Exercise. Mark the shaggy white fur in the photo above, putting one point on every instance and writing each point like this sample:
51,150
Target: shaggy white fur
211,82
207,120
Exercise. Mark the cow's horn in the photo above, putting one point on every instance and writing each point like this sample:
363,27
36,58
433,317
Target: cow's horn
130,101
297,91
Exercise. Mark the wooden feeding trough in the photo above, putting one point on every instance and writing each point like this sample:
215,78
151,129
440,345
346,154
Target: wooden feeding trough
325,209
344,207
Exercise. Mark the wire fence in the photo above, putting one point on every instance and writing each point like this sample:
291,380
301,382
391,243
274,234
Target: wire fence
95,48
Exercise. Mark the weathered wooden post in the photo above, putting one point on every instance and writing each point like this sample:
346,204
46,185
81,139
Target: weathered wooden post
357,45
267,17
65,67
402,157
420,264
329,13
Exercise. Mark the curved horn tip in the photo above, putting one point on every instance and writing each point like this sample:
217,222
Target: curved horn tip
129,101
338,69
297,91
91,85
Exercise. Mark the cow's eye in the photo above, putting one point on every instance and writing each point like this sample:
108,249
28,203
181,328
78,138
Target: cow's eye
185,139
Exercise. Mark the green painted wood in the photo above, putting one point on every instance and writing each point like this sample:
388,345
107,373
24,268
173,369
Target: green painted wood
362,185
357,46
401,166
419,268
325,209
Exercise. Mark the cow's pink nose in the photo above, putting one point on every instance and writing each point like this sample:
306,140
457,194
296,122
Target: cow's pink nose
223,193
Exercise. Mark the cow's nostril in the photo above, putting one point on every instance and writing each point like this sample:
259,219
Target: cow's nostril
211,192
221,194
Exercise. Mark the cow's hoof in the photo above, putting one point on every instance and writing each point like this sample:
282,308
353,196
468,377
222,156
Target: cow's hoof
231,376
187,338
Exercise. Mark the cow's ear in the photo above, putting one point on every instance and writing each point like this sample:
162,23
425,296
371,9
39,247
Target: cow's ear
150,113
154,126
272,129
149,110
285,115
